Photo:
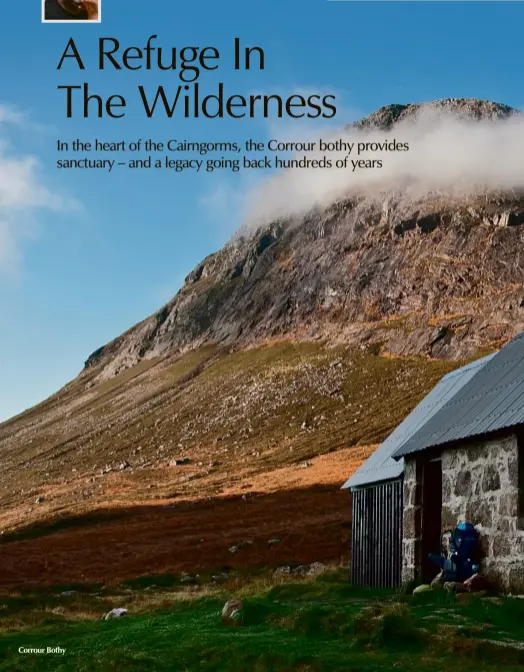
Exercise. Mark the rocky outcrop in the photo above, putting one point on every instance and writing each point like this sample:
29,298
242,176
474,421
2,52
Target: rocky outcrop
463,108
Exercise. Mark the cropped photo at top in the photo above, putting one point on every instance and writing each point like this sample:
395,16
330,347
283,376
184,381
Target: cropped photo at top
71,10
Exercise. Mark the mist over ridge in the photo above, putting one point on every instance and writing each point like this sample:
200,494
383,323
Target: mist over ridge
457,148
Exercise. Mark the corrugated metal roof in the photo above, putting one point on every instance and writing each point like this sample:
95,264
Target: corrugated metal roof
381,466
492,400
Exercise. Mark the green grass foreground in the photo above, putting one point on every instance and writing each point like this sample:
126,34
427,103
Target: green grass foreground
318,625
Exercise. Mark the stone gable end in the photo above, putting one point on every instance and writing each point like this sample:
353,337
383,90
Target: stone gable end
480,484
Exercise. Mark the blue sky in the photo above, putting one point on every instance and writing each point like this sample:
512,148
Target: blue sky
84,255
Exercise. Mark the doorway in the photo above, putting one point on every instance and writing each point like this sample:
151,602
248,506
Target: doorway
431,516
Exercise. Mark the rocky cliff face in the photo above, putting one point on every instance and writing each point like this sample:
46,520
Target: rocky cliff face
429,276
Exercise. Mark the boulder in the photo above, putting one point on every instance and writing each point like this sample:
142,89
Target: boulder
316,568
180,462
233,612
424,588
302,570
222,577
477,583
438,581
454,586
116,613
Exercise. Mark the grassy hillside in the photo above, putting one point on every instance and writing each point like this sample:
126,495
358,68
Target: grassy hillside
92,486
232,414
317,625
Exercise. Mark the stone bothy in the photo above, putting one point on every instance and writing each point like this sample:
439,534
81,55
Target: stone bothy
460,458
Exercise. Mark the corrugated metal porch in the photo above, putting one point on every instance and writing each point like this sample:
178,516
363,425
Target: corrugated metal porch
376,539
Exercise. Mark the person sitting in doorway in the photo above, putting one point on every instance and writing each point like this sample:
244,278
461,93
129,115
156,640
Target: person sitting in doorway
71,10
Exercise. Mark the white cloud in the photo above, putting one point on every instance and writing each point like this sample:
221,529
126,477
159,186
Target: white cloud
446,155
9,115
23,192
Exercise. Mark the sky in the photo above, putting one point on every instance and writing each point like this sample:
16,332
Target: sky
84,255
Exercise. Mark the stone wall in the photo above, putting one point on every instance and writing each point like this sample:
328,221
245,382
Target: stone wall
479,485
411,522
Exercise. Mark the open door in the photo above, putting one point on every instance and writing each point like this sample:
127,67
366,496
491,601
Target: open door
431,516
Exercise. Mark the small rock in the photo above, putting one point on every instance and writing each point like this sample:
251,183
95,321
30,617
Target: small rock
274,541
233,612
68,593
282,571
124,465
180,463
301,570
242,544
220,578
439,580
39,500
116,613
476,583
316,568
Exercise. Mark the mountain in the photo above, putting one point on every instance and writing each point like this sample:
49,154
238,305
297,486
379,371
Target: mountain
426,275
285,357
